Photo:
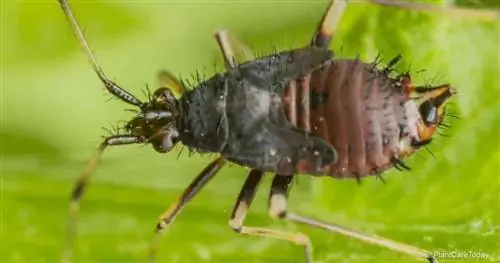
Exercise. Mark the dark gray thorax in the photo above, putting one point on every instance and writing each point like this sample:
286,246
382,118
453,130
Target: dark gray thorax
223,110
203,123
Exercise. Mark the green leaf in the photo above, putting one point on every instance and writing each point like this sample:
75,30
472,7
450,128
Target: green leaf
53,109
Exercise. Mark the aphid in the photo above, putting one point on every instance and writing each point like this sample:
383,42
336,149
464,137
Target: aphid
283,114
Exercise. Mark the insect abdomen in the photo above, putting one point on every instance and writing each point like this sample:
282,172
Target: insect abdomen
358,109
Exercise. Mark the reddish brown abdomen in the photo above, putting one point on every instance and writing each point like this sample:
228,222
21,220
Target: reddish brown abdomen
356,108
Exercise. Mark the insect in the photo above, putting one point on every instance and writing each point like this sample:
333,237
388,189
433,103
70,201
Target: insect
283,114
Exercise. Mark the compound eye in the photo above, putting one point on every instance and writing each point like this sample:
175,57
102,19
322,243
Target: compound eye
167,142
168,95
428,112
163,95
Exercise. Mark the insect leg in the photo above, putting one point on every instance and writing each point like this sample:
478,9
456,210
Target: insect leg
112,87
278,198
247,194
232,48
83,181
248,190
328,24
240,210
482,14
169,215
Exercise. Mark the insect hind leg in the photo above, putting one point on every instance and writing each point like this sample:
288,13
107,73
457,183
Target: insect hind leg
278,208
240,210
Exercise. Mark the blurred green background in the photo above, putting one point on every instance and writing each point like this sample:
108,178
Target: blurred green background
53,109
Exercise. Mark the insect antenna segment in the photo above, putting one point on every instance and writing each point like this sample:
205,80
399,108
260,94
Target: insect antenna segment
112,87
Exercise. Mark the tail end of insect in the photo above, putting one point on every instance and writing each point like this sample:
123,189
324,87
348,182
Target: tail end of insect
439,95
432,103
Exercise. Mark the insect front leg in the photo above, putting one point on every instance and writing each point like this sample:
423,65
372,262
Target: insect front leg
169,215
278,208
83,180
240,211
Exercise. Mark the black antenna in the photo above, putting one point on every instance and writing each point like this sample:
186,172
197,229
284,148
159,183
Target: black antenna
112,87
